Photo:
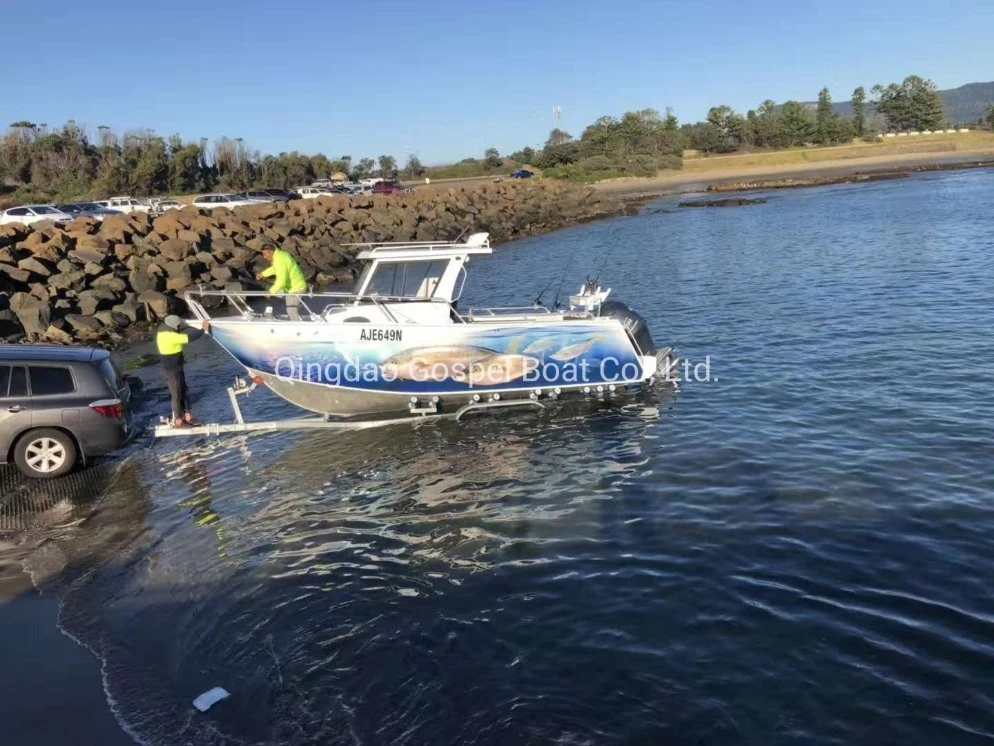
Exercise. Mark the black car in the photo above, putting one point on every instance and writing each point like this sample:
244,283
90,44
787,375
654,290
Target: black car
87,210
282,195
60,406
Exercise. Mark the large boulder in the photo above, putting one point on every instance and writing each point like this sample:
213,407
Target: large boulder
117,228
90,301
190,236
73,280
176,250
156,304
35,267
144,275
84,255
178,276
12,234
57,335
93,243
113,319
34,313
113,283
84,327
17,275
221,274
131,309
83,226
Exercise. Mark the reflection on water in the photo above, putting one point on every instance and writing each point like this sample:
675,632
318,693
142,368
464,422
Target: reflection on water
797,552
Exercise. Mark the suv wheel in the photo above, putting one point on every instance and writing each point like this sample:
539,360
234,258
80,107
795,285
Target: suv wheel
45,453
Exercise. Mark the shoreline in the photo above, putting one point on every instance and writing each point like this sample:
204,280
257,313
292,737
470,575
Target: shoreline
791,176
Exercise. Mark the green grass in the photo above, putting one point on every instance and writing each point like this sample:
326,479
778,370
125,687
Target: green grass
938,143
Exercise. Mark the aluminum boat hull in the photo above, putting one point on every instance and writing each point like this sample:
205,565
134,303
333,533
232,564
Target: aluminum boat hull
360,370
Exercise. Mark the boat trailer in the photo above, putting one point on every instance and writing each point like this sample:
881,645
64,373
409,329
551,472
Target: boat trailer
419,413
419,410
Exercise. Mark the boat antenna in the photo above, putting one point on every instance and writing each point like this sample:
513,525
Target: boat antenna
461,233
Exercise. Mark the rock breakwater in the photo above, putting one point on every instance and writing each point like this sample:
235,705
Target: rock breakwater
104,283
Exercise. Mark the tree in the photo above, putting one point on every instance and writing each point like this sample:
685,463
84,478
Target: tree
492,159
388,166
321,166
859,111
413,168
990,117
560,150
364,168
524,156
558,137
914,104
797,125
823,117
671,123
766,126
727,129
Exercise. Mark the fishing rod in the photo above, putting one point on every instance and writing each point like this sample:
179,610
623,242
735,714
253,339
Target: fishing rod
601,268
538,301
555,303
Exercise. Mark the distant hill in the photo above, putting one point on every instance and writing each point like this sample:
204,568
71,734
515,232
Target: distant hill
965,104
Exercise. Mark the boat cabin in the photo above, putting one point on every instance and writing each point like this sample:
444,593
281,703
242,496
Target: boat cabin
418,271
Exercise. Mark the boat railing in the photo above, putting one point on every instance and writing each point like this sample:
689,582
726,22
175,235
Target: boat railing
315,305
498,313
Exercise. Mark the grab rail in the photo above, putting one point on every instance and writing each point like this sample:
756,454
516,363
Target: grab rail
240,301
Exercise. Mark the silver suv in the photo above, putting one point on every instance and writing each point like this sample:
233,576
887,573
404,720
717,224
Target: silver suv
60,406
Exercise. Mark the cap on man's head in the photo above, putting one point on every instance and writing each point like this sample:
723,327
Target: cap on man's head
172,321
268,246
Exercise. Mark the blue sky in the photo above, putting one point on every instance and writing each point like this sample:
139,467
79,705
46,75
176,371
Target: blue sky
446,79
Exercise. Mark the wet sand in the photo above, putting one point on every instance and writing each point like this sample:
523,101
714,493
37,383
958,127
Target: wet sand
52,688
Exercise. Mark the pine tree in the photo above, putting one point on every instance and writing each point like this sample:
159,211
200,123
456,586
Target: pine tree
823,118
859,111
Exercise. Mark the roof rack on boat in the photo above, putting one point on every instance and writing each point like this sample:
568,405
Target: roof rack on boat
477,240
478,243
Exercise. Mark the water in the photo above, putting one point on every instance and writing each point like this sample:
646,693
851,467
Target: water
794,551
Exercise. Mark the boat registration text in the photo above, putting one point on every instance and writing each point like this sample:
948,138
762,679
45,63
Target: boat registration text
381,335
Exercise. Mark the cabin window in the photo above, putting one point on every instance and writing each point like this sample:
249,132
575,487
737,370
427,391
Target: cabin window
407,279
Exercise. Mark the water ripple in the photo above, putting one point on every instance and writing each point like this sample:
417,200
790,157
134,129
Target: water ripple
796,551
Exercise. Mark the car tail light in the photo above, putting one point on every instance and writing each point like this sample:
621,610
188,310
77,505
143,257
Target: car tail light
112,408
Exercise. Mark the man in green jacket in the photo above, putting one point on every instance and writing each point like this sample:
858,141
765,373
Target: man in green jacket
288,278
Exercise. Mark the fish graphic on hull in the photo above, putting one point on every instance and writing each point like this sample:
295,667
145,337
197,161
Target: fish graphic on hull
433,363
571,352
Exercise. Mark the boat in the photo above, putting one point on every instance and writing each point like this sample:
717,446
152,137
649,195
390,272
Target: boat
398,342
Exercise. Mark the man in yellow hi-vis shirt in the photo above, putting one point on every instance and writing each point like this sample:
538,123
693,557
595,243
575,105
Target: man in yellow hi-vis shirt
170,341
288,278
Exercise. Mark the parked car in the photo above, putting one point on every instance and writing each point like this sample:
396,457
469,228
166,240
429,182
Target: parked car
87,210
160,205
60,406
212,201
259,195
28,214
284,195
315,192
390,187
521,174
124,204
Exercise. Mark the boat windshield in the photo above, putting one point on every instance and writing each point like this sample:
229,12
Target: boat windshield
413,279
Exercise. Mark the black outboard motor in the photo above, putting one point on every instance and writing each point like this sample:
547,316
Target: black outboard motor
634,324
